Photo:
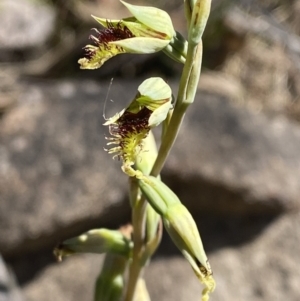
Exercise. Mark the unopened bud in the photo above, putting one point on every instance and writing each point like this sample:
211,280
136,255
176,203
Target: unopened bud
95,241
200,15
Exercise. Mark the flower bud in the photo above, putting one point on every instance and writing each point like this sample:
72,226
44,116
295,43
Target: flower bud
181,227
200,14
95,241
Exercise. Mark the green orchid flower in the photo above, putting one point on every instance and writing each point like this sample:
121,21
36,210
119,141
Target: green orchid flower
132,125
149,30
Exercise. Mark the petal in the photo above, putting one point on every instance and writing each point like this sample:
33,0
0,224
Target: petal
152,17
113,119
159,114
103,21
155,88
141,45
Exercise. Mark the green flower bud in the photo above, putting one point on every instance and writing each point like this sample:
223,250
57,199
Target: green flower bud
160,196
95,241
199,19
152,196
110,282
181,227
188,8
149,30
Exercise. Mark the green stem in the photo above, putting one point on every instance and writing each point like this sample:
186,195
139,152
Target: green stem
138,222
186,93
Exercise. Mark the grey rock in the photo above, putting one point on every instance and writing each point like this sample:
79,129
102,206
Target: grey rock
264,269
9,290
56,179
73,279
24,24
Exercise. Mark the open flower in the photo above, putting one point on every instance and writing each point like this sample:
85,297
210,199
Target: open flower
149,30
131,126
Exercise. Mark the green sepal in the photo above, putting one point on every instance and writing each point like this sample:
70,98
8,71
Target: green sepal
152,17
168,197
183,230
154,92
141,45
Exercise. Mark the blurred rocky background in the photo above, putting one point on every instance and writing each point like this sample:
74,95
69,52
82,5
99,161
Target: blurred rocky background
236,163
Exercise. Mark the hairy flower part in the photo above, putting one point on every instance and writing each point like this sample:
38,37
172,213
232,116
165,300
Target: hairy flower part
103,49
149,30
130,127
128,133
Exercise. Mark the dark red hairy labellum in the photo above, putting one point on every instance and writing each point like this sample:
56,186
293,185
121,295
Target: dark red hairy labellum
131,123
112,33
